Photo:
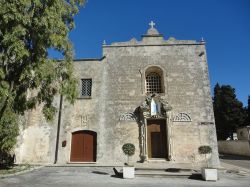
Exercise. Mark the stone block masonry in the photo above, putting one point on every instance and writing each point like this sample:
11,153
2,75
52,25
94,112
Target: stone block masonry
119,109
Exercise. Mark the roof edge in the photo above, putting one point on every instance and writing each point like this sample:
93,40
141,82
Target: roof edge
86,59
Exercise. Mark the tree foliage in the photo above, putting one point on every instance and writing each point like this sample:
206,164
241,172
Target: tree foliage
248,111
205,149
228,110
128,149
28,77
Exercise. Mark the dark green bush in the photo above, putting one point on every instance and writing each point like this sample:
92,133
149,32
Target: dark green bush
6,159
128,149
205,149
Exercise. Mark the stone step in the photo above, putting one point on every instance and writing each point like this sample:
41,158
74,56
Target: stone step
164,175
164,165
168,173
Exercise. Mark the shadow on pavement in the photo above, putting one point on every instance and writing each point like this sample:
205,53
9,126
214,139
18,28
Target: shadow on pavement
100,172
115,176
177,170
196,176
233,157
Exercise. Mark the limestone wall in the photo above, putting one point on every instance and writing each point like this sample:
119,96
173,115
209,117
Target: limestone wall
234,147
36,142
187,89
85,114
118,87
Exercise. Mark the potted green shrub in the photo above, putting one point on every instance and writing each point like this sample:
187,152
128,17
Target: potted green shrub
208,173
128,169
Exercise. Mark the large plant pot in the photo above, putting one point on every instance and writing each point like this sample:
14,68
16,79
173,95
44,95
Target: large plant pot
209,174
128,172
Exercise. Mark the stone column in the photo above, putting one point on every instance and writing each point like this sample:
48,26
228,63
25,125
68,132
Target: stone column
145,139
170,140
142,138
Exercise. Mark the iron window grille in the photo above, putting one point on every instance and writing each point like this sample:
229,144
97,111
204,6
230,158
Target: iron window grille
86,87
153,83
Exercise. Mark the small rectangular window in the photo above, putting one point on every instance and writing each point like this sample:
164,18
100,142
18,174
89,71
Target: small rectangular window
86,87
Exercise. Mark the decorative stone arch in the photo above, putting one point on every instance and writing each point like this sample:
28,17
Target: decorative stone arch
127,116
182,117
157,66
83,145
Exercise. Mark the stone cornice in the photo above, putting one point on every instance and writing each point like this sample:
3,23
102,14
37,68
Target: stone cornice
148,45
89,59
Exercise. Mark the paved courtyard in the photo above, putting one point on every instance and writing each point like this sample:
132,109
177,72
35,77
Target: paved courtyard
102,176
235,160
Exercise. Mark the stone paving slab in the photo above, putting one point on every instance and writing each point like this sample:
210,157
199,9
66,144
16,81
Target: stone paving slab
104,177
228,167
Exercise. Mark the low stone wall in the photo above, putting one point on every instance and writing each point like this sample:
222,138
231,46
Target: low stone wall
234,147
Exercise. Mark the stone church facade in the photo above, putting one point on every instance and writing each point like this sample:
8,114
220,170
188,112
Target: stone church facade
154,93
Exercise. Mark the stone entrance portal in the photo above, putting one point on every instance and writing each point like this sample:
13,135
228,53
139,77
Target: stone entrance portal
83,146
155,128
156,138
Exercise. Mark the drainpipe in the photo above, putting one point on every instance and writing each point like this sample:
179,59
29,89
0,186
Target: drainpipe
58,128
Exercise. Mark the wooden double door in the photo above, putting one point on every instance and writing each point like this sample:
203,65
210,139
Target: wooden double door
156,139
83,146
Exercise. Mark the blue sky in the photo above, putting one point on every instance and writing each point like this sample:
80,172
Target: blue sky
224,24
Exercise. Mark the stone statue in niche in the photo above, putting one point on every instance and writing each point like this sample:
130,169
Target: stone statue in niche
154,106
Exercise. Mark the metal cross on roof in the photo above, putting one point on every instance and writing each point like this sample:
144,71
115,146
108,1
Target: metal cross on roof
152,24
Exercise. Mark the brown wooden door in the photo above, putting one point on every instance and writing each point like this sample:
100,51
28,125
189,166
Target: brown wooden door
83,146
155,145
156,139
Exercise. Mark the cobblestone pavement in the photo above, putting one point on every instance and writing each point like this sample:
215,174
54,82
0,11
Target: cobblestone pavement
103,176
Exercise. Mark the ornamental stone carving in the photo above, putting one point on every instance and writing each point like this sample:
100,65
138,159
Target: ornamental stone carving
128,116
155,106
182,117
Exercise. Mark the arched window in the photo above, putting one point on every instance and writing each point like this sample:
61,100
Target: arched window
154,80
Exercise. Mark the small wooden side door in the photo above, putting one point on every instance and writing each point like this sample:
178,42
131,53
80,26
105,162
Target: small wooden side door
83,146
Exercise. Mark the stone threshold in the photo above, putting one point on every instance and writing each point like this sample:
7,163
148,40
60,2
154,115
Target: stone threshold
157,160
81,162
